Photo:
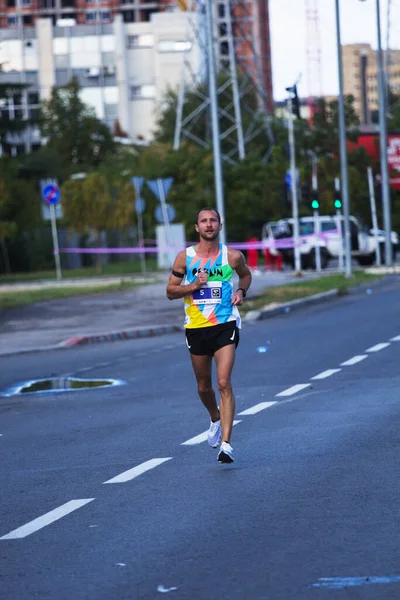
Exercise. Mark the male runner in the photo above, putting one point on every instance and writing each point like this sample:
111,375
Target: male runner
202,275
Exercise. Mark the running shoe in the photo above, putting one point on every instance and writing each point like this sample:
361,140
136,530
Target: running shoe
225,454
214,433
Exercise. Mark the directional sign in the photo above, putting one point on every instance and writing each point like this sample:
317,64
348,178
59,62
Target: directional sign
137,183
51,194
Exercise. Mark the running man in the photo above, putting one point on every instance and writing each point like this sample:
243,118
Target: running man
202,275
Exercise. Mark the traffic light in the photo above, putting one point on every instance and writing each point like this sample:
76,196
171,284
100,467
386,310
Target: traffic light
338,199
338,194
315,200
295,100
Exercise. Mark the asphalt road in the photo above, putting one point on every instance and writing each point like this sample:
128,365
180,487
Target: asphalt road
313,492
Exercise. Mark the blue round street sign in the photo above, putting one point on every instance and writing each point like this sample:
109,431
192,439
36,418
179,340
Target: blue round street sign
158,213
139,205
51,194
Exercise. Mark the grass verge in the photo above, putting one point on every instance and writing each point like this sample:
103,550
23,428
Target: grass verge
119,268
285,293
18,298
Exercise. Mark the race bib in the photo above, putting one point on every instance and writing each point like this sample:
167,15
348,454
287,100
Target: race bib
210,293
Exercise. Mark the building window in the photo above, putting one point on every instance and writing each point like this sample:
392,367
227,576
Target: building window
27,20
173,46
140,41
142,91
90,16
26,2
12,20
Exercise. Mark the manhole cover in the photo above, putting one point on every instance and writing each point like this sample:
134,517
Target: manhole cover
59,384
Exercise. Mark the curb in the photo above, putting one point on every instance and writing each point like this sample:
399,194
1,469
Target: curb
260,315
112,336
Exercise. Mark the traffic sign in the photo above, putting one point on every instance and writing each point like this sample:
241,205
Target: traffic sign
51,193
158,213
140,205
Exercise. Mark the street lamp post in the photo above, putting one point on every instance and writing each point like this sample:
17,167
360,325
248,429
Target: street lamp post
343,151
383,144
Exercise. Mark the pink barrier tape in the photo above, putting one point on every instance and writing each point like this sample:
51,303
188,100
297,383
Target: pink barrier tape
283,243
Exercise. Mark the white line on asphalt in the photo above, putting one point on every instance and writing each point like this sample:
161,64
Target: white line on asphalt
378,347
326,374
136,471
257,408
395,339
46,519
202,437
294,389
354,360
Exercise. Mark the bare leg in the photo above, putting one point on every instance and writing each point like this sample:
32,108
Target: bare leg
202,367
224,359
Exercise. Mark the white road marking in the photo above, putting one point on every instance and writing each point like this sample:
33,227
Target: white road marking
256,408
139,470
294,389
46,519
353,361
378,347
395,339
202,437
326,374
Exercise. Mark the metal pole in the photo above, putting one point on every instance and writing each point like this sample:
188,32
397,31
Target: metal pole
141,241
343,150
317,223
374,217
167,224
293,176
235,85
383,145
339,227
55,241
218,181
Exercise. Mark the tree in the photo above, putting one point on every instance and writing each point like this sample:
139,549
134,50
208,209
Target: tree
72,129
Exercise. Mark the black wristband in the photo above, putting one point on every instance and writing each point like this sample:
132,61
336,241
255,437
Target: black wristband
243,292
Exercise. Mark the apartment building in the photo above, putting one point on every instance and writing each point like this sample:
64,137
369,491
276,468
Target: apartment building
360,76
124,69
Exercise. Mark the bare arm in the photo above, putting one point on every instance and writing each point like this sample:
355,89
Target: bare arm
237,262
175,289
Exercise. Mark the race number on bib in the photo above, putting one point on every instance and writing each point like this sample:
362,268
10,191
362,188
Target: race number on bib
210,293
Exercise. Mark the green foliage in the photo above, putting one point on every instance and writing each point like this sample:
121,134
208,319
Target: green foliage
72,129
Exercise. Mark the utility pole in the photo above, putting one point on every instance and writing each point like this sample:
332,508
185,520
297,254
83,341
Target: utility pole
293,177
212,78
383,145
315,207
343,150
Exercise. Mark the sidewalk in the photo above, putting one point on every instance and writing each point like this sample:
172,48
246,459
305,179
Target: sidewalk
138,312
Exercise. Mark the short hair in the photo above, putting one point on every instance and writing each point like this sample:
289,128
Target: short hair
208,208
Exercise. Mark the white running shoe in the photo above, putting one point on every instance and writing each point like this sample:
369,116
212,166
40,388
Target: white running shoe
214,433
225,454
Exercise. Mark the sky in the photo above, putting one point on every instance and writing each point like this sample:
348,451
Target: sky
289,38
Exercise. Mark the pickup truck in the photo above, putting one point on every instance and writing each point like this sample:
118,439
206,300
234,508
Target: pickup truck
279,237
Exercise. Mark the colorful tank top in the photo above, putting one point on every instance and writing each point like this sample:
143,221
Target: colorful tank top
212,303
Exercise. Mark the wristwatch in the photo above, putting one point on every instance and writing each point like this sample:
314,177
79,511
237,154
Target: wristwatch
243,292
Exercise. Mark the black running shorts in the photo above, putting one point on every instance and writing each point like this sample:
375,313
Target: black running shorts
207,340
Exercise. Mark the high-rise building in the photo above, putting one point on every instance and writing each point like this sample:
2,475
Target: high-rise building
360,79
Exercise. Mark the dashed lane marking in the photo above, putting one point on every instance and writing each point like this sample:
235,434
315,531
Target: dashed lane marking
354,360
256,408
395,339
326,374
46,519
294,389
139,470
378,347
202,437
